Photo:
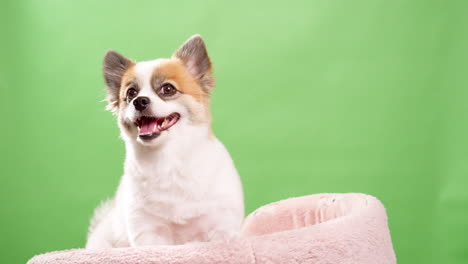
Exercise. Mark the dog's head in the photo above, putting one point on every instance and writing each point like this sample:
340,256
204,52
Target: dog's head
154,99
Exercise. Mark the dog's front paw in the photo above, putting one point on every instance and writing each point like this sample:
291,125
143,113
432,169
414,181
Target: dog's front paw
150,239
214,235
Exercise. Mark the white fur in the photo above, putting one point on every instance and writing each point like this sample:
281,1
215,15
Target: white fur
181,187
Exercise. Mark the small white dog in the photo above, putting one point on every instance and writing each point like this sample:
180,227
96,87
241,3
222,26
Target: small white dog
179,184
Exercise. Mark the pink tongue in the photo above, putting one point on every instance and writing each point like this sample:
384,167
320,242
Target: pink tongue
147,125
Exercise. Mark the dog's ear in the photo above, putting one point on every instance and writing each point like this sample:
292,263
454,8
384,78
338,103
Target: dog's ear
195,58
114,67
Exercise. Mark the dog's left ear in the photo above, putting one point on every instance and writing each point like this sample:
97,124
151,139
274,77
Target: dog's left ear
114,67
195,58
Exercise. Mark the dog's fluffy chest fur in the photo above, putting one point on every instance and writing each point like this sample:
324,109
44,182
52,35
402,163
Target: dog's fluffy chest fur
177,184
173,195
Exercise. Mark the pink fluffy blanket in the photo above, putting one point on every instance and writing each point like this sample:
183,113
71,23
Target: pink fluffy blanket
318,229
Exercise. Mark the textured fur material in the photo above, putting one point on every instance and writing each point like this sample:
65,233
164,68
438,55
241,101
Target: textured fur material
315,229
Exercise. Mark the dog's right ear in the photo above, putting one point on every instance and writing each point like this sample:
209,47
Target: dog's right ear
114,67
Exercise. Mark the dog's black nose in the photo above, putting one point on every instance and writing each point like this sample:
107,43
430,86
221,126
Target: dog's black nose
141,103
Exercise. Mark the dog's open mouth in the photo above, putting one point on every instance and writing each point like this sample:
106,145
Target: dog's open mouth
149,127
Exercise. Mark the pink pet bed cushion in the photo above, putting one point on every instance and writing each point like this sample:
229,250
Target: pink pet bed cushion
318,229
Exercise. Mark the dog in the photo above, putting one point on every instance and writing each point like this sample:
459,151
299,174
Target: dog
179,184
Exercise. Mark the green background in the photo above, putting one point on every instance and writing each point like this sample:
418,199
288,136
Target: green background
312,96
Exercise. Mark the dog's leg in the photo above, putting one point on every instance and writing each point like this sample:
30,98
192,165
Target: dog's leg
146,231
226,225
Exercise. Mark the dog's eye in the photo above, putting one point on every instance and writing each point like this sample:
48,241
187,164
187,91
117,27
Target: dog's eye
131,93
167,89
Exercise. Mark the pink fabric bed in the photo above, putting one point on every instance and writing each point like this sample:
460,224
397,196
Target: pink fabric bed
318,229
